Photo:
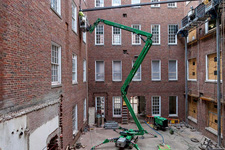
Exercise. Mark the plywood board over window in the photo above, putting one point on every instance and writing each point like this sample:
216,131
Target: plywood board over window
212,67
192,69
192,36
193,109
212,118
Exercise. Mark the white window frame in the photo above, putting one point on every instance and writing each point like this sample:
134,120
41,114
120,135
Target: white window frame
159,34
84,37
136,72
175,6
85,109
132,2
159,70
74,19
187,2
176,71
59,64
114,4
103,70
74,58
100,3
120,106
159,106
120,37
58,7
113,70
174,115
156,5
96,37
133,34
169,34
188,72
75,120
84,70
206,26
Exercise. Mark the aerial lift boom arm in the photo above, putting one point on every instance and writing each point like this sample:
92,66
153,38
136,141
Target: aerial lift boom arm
124,89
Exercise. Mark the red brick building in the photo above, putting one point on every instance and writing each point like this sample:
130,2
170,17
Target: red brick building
159,83
43,83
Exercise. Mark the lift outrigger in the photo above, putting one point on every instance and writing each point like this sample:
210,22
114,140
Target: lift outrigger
128,137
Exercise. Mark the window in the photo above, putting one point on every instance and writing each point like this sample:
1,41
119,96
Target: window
137,76
56,6
99,35
136,40
74,17
212,118
100,106
173,70
117,106
56,64
99,3
116,2
191,36
172,5
84,71
75,120
172,34
155,29
74,69
99,71
156,70
135,1
192,69
187,2
173,106
116,36
156,106
211,67
210,24
84,37
85,109
156,5
117,71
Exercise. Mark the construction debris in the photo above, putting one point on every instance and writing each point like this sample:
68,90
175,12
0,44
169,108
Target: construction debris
111,125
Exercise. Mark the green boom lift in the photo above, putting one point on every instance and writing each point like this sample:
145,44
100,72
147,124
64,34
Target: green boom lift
128,137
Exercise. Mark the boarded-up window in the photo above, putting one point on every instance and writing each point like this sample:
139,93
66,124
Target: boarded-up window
211,70
192,35
192,110
212,118
192,69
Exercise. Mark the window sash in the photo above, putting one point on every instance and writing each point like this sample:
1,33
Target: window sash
155,29
117,71
74,19
99,35
137,76
156,5
99,71
116,36
117,106
136,40
99,3
172,70
56,6
75,120
74,69
156,106
135,1
55,64
85,109
172,35
156,70
116,2
84,71
172,5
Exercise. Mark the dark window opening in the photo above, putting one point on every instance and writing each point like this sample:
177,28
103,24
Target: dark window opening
53,144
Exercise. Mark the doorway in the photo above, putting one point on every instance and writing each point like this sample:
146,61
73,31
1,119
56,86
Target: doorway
138,103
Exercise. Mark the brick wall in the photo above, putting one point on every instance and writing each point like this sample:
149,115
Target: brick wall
26,32
108,52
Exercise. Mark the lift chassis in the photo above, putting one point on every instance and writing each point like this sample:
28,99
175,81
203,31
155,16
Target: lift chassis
128,138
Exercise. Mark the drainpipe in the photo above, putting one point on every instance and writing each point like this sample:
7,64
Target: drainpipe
186,83
218,76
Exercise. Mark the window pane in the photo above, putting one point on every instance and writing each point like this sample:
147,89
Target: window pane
116,2
116,35
155,106
135,38
156,5
172,70
155,34
117,106
99,35
117,71
155,70
99,76
99,3
172,34
137,76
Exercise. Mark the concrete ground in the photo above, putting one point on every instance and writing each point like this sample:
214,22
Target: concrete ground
180,140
